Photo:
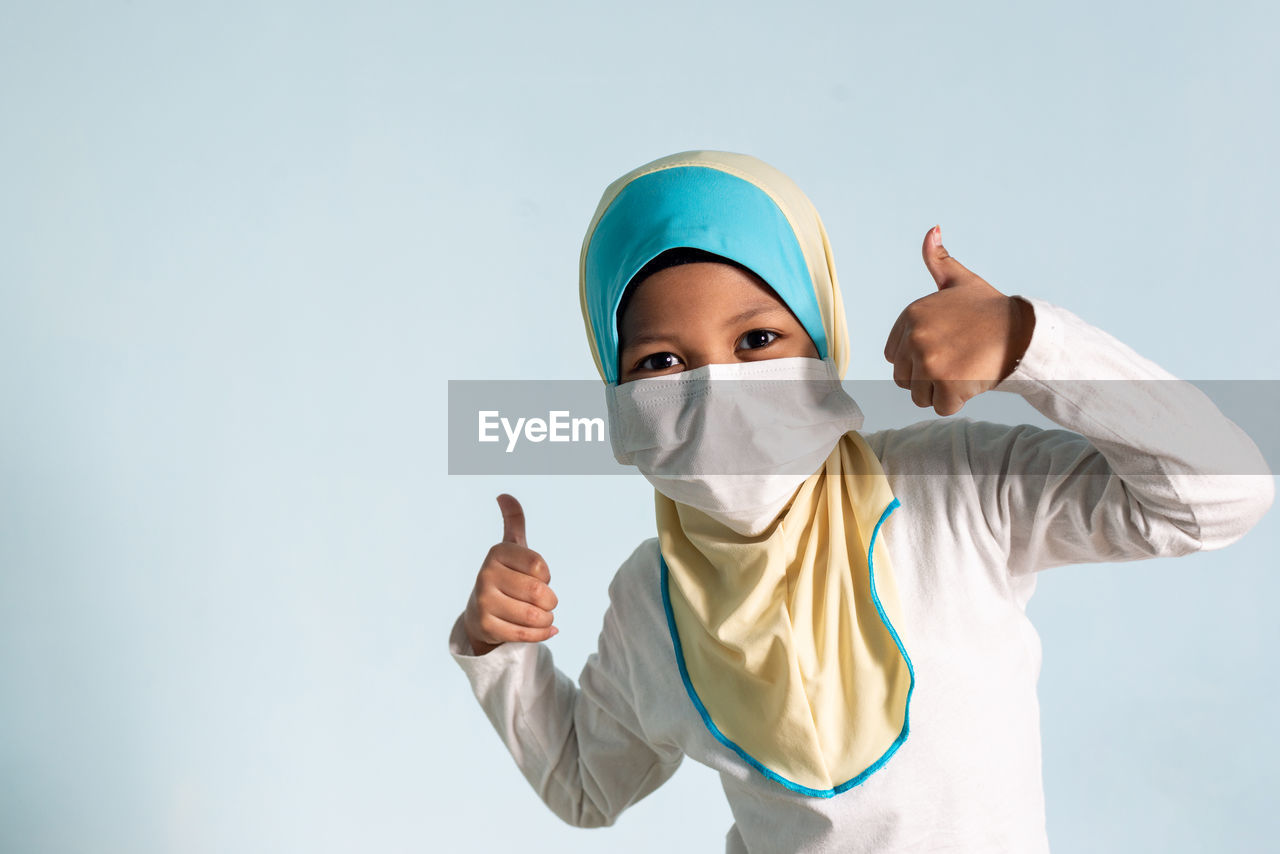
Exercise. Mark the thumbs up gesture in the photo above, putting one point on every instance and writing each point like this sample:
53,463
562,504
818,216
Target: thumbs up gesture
511,600
960,340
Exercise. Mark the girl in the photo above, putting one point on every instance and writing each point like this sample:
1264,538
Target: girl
834,622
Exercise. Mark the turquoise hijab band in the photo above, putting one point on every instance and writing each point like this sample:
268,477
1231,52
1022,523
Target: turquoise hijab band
703,208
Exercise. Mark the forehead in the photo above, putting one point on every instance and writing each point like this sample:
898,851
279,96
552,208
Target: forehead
704,266
694,295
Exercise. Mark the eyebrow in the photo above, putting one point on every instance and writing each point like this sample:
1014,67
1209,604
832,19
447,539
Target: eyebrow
751,311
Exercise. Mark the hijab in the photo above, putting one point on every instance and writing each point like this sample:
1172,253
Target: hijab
785,635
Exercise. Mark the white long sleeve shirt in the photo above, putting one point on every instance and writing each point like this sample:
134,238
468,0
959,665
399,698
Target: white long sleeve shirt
1145,467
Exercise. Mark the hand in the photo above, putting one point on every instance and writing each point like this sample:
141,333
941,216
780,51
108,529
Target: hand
511,600
959,341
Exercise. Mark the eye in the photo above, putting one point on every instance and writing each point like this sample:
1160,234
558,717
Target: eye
757,338
658,362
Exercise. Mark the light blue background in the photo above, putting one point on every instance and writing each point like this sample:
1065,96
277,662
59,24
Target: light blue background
243,247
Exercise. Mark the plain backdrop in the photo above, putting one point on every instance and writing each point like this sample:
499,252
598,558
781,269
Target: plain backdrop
244,246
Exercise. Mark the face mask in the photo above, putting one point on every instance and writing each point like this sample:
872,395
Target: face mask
734,441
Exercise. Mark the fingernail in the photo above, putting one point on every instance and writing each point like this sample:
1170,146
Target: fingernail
554,631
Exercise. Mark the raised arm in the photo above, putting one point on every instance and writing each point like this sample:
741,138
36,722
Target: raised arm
1146,465
581,746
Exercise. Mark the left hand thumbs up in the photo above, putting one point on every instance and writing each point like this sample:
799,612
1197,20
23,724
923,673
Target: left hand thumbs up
960,340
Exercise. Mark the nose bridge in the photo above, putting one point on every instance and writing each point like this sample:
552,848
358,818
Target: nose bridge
710,355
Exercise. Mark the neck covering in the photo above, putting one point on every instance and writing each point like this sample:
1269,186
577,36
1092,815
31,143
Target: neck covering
785,639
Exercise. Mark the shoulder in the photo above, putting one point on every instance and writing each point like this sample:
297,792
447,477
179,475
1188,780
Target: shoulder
961,445
932,446
930,434
635,594
634,634
637,578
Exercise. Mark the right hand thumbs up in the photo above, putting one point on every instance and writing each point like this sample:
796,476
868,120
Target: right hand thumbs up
512,599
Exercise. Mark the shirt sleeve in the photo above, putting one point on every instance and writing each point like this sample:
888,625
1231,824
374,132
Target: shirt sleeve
581,747
1145,466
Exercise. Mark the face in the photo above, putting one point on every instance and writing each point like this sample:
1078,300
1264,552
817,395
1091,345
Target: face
706,313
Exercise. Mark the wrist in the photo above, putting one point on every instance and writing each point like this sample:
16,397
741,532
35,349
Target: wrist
478,647
1022,324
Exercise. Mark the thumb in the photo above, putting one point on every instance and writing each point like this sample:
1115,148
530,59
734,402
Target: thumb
512,519
946,271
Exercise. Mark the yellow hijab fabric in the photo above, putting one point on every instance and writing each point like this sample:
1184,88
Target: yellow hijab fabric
786,641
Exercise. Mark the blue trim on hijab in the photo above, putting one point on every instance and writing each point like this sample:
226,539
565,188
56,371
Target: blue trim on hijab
748,758
703,208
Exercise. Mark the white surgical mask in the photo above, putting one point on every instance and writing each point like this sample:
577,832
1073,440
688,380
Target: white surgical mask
734,441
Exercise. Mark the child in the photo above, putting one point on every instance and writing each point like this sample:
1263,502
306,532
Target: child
834,622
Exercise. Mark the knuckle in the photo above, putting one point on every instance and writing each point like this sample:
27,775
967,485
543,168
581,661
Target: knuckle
544,598
492,565
532,587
